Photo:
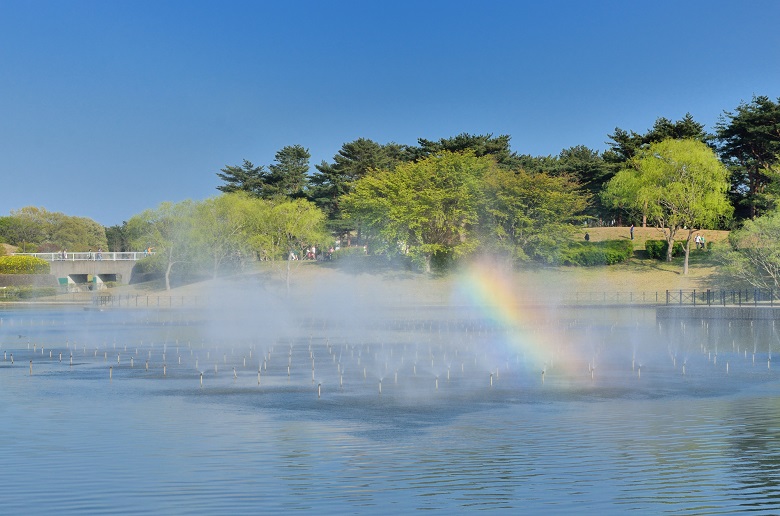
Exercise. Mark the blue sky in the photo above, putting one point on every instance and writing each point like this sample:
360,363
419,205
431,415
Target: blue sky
108,108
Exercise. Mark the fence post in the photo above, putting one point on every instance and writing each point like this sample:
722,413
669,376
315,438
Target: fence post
680,296
667,297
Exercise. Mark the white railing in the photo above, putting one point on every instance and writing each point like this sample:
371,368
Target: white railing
89,256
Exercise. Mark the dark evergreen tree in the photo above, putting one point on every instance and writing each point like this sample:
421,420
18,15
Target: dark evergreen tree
749,143
353,161
118,238
625,144
244,178
480,145
289,175
590,171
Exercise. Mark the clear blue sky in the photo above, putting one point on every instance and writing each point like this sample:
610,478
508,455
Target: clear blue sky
108,107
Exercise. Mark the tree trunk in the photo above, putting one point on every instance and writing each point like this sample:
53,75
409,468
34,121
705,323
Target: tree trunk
669,244
428,263
687,251
287,279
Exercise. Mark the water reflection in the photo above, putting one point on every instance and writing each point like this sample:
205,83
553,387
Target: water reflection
631,414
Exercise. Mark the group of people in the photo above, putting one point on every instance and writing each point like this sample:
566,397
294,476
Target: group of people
699,241
310,253
64,254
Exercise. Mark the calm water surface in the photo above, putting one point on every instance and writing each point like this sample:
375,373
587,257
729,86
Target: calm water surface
630,415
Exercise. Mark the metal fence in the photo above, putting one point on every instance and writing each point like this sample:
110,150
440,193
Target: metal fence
723,297
145,301
685,297
615,298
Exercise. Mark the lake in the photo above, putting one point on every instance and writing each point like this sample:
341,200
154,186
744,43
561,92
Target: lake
256,410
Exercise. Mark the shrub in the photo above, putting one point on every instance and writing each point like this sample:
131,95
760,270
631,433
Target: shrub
152,264
657,249
23,265
608,252
348,252
26,292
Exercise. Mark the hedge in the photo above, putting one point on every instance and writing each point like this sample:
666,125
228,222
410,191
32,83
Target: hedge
23,265
26,292
607,252
657,249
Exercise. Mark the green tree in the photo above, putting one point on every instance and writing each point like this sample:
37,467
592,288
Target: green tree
29,225
680,184
220,229
333,181
529,216
169,228
754,254
78,233
749,143
625,145
426,209
281,227
53,230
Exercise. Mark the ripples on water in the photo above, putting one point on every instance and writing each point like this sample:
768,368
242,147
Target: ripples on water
75,442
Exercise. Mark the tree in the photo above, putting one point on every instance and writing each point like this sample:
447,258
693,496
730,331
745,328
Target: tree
590,172
169,229
479,145
281,227
530,215
243,178
221,229
755,251
334,180
625,145
78,233
289,175
118,238
680,184
749,143
427,209
30,225
53,230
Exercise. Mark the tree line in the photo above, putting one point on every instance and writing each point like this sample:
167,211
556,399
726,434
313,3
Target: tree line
440,200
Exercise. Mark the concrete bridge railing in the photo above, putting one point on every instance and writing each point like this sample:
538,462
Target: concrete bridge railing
89,256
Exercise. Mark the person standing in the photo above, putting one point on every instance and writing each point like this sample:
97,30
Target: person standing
631,230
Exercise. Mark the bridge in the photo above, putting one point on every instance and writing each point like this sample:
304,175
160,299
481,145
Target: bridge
73,270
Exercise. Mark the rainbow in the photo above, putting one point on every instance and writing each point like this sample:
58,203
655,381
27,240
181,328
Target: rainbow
531,330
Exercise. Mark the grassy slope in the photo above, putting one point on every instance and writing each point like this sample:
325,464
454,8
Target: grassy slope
640,274
317,281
